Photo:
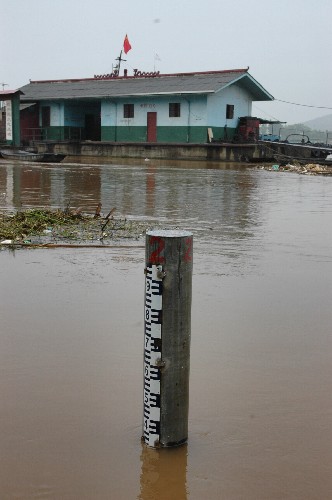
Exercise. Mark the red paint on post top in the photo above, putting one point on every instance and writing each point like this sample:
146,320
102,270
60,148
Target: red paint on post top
155,257
188,254
157,245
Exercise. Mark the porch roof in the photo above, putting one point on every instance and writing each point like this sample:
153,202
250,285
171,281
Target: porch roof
8,94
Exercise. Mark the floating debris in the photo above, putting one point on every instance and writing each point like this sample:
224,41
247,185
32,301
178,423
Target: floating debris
307,169
42,227
98,209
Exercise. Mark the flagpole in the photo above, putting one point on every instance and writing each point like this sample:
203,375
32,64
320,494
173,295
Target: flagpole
126,48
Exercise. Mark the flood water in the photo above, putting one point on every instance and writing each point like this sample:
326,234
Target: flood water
71,338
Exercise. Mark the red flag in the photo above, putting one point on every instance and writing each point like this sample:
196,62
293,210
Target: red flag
126,45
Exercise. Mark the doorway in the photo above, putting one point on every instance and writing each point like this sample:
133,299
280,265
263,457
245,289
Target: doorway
92,127
152,127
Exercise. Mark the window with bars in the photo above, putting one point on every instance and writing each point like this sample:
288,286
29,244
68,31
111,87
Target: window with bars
128,111
174,109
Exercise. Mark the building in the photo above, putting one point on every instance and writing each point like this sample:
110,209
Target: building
145,107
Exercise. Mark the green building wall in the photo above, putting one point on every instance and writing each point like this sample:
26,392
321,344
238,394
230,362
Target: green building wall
139,134
164,134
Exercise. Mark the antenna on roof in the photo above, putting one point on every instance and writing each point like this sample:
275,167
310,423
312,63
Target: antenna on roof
116,68
3,85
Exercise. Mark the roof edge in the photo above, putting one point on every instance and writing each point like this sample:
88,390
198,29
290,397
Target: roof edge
253,80
192,73
9,93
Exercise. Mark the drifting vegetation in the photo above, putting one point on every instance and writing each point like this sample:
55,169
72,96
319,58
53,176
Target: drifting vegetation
44,227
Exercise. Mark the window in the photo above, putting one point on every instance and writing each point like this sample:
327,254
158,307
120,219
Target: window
128,111
229,111
174,109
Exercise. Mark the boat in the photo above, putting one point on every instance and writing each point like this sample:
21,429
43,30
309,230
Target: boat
22,155
52,157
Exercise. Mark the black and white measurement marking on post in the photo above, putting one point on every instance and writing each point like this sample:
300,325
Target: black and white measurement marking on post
152,354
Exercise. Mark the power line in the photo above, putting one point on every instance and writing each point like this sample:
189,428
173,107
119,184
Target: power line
262,111
303,105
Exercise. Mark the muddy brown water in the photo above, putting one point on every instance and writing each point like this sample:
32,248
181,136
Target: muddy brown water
71,338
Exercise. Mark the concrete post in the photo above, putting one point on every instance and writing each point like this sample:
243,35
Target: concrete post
168,289
16,120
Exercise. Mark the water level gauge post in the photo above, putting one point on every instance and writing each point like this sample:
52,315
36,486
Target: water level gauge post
167,332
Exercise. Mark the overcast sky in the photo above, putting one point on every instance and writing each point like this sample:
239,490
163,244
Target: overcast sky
287,44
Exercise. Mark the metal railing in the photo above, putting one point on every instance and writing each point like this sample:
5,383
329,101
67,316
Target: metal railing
51,134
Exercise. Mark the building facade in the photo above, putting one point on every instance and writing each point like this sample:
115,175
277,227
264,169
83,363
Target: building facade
146,107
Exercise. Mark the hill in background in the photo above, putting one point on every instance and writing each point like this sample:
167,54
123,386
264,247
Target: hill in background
318,130
322,123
